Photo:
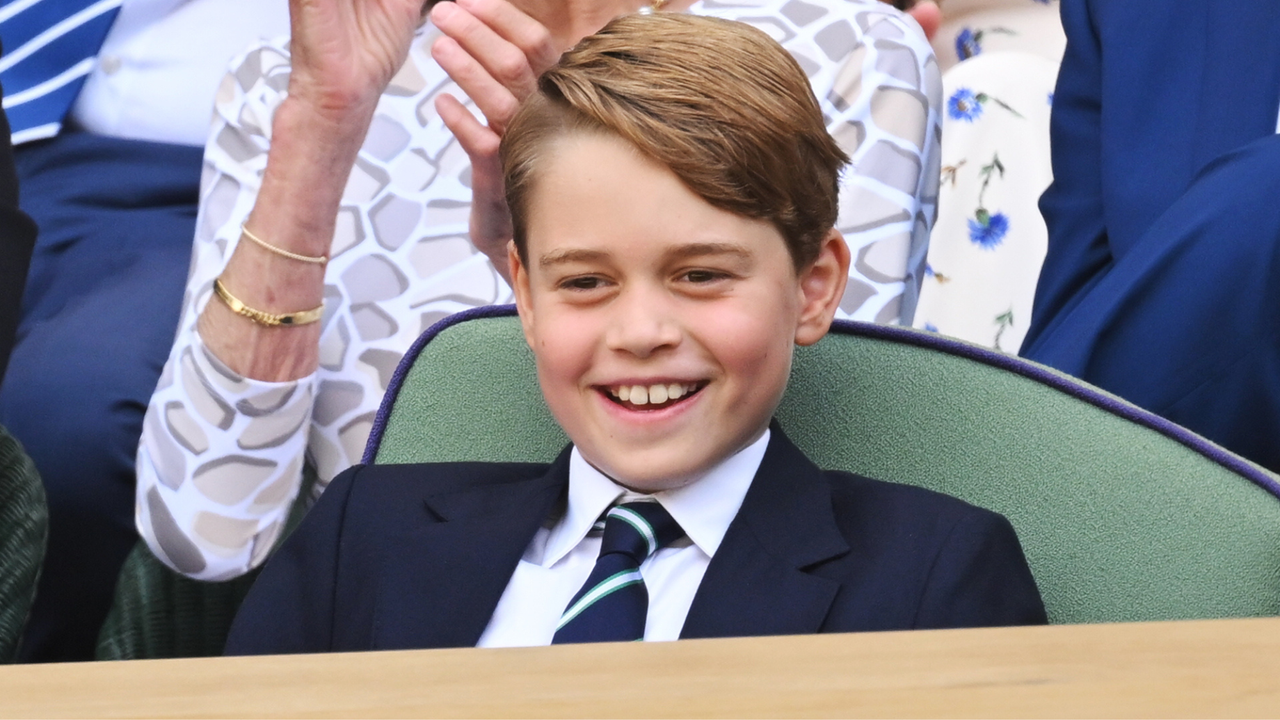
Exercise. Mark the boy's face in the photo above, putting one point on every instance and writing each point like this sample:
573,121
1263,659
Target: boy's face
662,326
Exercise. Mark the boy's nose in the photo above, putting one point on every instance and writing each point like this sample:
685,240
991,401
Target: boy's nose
642,324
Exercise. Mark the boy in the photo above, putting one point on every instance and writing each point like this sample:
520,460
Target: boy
673,191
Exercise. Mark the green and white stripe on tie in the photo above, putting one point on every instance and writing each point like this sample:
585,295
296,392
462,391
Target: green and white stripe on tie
611,584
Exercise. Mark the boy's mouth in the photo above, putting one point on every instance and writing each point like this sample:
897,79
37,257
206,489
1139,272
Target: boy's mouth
652,397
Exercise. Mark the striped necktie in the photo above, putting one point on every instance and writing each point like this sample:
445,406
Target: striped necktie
613,602
50,46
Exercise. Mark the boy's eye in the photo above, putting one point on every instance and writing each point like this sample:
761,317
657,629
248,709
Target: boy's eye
702,276
585,282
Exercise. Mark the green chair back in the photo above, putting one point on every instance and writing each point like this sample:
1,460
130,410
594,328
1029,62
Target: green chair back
1123,516
24,532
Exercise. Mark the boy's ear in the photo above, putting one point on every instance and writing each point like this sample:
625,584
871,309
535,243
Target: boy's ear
822,288
520,286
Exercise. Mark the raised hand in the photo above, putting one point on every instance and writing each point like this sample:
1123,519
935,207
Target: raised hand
495,53
345,52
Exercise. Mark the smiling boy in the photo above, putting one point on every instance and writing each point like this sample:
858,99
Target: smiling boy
673,191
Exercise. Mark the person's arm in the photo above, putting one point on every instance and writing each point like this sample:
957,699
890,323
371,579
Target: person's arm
343,56
220,457
883,102
1073,205
226,431
980,578
17,239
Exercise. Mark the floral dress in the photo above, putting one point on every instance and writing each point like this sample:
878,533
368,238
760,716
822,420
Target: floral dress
989,241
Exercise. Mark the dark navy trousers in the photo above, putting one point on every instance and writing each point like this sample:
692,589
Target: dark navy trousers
116,220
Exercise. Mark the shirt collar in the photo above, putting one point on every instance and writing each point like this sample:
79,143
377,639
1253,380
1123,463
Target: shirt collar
703,508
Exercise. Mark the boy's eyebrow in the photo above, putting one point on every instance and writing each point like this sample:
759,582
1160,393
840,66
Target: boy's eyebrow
710,248
569,255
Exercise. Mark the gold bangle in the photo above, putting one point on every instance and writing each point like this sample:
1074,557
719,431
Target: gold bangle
321,260
305,317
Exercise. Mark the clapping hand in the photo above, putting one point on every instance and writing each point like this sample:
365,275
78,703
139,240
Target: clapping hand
495,53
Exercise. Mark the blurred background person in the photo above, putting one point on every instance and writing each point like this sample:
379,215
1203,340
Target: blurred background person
1000,61
1160,282
17,237
109,103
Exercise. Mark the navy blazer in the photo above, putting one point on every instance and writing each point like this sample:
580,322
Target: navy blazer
1183,83
417,556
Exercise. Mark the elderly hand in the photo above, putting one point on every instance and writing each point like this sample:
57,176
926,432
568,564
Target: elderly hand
345,52
495,53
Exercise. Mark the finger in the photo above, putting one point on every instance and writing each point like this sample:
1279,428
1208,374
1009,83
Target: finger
517,28
505,61
928,15
495,100
480,142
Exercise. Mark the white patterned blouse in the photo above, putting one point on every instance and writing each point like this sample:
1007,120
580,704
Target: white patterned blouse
222,456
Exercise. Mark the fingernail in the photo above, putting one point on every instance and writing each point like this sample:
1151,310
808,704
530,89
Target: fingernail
443,10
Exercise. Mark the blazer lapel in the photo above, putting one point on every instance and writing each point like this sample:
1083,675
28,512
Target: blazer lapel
439,587
756,584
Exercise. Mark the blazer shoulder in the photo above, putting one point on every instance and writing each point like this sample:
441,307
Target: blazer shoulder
956,564
905,503
442,477
895,521
393,496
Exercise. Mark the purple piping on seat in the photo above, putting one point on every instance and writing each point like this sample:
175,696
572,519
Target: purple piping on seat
410,357
1074,388
932,341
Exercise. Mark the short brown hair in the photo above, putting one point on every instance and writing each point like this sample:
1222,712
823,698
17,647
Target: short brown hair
718,102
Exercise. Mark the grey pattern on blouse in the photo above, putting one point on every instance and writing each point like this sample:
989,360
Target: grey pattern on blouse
221,456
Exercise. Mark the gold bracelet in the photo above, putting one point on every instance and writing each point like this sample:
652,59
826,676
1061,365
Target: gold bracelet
304,317
321,260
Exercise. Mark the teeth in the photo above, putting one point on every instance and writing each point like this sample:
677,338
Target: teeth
657,394
652,394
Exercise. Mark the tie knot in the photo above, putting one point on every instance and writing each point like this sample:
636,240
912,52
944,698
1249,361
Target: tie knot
638,530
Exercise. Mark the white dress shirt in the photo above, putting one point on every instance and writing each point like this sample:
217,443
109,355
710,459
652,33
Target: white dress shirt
560,557
161,64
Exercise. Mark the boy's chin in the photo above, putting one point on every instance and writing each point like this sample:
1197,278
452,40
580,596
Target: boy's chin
646,478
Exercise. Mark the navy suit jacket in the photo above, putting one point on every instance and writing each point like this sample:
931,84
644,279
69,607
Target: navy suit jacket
417,556
1183,83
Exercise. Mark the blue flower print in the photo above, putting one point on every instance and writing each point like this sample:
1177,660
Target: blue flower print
1050,99
964,105
968,44
931,327
986,230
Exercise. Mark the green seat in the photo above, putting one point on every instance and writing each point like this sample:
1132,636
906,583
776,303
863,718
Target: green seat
24,531
1123,515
